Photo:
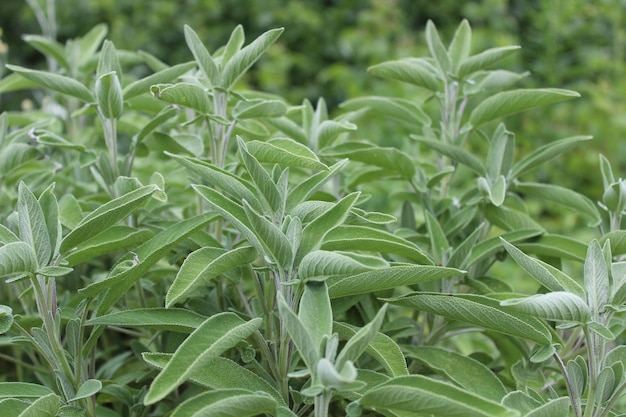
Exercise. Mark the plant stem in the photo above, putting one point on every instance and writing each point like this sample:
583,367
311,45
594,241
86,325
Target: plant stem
322,403
570,388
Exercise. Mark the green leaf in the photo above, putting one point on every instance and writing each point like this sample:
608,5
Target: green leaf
320,264
328,130
556,246
6,318
32,225
456,153
510,102
164,76
106,216
389,158
170,319
564,197
234,44
109,62
203,265
478,310
596,278
577,376
265,184
7,236
556,305
382,348
12,406
315,312
460,46
314,233
539,271
90,42
485,59
510,219
226,403
202,56
464,371
113,239
46,406
55,82
220,373
88,388
217,334
545,153
437,50
236,67
358,343
438,242
23,390
285,152
559,407
48,138
369,239
48,47
164,115
258,108
308,187
184,94
274,243
399,109
17,258
109,95
409,70
426,396
299,334
388,278
54,271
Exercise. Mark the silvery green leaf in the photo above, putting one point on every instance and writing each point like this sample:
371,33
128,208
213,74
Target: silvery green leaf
596,278
556,305
203,58
32,224
315,312
485,59
167,75
55,82
412,71
225,403
6,318
170,319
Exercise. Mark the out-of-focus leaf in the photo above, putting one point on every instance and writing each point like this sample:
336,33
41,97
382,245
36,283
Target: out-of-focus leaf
55,82
171,319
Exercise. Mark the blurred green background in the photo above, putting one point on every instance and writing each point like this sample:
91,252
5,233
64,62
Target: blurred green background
328,45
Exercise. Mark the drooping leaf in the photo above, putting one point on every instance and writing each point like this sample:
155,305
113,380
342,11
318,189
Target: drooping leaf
388,278
106,216
555,305
220,373
55,82
412,71
237,66
170,319
480,311
217,334
510,102
164,76
426,396
464,371
226,403
204,265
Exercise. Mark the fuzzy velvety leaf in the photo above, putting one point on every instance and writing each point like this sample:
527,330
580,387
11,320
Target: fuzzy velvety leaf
234,44
203,58
389,158
596,277
87,389
320,264
556,246
184,94
237,66
171,319
556,305
285,152
438,242
7,236
12,406
220,373
510,102
541,273
545,153
46,406
22,390
388,278
369,239
17,258
462,370
257,108
562,196
480,311
412,71
32,224
226,403
274,243
299,334
113,239
399,109
6,318
50,208
426,396
382,348
217,334
485,59
265,184
109,98
461,44
106,216
203,265
48,47
553,408
510,219
437,50
164,76
55,82
164,115
358,343
454,152
315,312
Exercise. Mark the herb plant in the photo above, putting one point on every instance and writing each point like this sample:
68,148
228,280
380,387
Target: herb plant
178,245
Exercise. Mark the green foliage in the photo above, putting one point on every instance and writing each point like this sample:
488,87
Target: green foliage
220,251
